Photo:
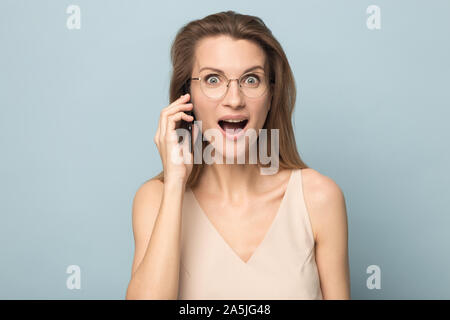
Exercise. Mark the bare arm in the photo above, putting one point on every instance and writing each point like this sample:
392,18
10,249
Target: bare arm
157,213
326,205
156,228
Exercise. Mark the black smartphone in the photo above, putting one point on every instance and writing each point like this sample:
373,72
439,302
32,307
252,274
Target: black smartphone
188,124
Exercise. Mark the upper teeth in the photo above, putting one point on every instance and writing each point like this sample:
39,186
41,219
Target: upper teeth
231,120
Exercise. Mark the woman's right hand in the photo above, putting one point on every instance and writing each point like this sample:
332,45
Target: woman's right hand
166,139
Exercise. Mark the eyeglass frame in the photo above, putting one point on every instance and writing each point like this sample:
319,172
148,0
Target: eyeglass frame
270,82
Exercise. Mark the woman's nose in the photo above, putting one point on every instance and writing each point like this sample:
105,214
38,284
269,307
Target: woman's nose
234,95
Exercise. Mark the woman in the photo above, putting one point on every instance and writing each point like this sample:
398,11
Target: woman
226,231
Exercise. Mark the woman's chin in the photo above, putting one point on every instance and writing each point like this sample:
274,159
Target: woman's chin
230,154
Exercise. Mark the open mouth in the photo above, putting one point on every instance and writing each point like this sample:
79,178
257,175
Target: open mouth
233,126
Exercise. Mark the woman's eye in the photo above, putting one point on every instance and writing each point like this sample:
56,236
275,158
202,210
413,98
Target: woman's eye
212,79
252,79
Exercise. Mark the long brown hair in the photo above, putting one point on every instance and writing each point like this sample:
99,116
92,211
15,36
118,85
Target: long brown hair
247,27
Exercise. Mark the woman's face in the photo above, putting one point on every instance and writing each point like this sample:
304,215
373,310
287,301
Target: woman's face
233,58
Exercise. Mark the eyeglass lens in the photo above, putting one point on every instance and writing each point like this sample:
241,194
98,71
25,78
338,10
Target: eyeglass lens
252,84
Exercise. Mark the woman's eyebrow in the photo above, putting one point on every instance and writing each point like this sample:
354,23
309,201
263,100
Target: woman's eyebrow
220,71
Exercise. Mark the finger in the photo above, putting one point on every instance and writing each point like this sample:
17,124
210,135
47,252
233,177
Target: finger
163,116
178,108
169,112
185,147
173,119
187,155
180,100
195,132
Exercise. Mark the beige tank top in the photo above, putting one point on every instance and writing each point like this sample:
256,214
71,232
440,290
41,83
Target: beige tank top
282,267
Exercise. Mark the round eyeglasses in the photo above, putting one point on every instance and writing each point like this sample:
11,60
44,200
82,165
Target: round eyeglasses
215,86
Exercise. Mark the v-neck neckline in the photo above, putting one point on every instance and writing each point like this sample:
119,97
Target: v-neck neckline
267,234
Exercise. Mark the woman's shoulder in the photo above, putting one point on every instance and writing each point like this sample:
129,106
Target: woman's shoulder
324,199
149,193
151,186
318,183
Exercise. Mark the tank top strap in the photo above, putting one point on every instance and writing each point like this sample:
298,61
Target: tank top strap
297,211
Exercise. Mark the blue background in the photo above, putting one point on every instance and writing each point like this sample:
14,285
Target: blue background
79,109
